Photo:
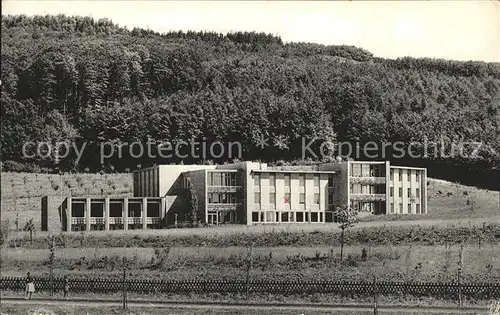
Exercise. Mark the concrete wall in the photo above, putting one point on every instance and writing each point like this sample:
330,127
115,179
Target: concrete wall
52,215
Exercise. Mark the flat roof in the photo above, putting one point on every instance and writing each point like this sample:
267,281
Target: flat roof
294,171
409,167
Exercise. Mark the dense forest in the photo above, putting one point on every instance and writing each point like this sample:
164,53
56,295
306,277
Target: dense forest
85,80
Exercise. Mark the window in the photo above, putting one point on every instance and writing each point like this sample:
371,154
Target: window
400,174
256,197
417,208
255,216
409,208
356,170
400,192
272,198
400,208
299,216
227,179
409,192
316,199
302,198
223,198
284,217
355,188
392,208
287,198
316,181
392,175
330,181
256,180
216,179
328,216
302,180
365,170
330,198
417,176
186,183
417,193
272,180
314,217
287,180
391,193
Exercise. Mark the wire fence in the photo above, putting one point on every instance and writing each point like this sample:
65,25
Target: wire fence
454,291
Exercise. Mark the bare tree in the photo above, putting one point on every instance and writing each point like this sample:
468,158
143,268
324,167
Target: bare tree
30,226
346,217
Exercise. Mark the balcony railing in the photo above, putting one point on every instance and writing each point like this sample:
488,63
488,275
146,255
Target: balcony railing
367,180
368,197
224,188
223,206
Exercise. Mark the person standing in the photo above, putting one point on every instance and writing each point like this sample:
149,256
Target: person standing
66,286
30,286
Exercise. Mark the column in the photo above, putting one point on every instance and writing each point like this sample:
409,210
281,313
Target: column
68,214
144,213
106,213
125,213
87,214
162,211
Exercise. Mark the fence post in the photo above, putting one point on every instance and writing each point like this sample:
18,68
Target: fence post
460,264
375,298
124,285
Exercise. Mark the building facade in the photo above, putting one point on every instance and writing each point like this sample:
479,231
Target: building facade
245,193
254,193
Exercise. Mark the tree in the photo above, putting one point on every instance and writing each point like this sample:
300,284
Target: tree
30,226
52,257
346,217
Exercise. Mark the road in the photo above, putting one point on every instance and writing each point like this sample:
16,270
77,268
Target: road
250,307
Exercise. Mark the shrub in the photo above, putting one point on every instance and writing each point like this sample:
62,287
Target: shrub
364,254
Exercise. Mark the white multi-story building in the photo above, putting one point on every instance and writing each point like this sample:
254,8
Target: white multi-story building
249,193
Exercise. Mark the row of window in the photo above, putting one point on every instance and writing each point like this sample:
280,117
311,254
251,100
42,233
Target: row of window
286,216
115,210
287,198
367,189
399,173
288,178
367,170
223,179
400,208
225,198
400,192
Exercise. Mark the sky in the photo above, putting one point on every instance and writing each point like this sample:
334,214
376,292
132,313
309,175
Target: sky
459,30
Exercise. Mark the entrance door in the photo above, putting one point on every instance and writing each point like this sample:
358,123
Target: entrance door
212,218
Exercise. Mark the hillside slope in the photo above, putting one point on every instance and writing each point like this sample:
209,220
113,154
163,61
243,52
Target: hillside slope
82,80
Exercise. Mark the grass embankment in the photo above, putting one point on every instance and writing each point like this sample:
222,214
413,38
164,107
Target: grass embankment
407,253
376,234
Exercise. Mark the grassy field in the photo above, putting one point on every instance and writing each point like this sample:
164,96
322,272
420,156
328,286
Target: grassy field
390,263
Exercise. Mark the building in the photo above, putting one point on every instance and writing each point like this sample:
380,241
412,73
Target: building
250,193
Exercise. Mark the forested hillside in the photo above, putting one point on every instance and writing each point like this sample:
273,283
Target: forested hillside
75,78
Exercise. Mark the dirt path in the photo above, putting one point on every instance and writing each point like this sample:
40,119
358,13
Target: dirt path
250,307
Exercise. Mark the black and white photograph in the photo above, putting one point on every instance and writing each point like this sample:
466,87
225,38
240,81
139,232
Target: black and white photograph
250,157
